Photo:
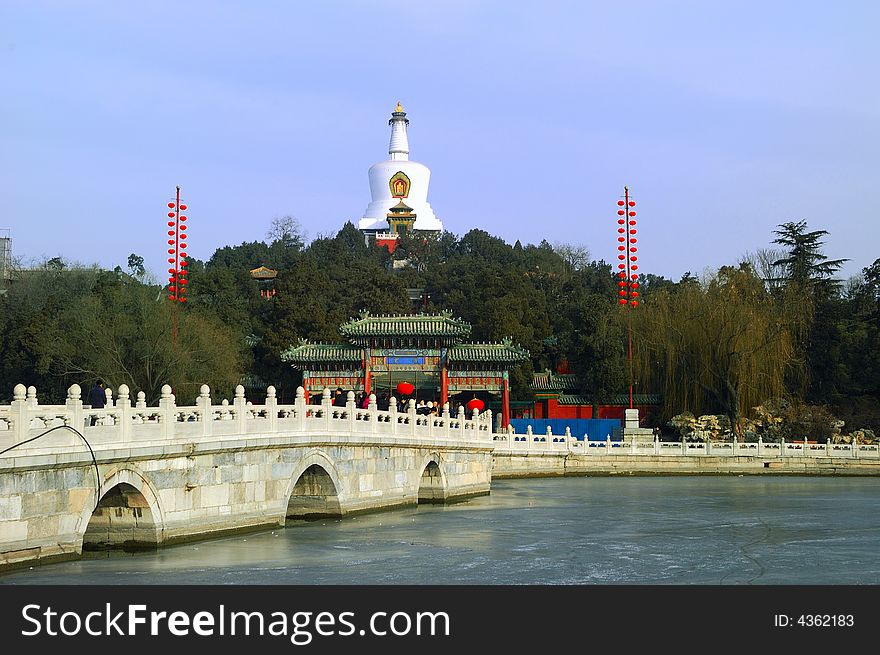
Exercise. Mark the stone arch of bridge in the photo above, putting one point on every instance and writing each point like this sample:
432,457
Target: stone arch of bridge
315,489
433,484
128,514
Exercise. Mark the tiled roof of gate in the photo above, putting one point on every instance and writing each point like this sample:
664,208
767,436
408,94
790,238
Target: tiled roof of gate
504,352
419,325
306,353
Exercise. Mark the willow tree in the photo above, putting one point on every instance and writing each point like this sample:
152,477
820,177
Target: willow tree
723,346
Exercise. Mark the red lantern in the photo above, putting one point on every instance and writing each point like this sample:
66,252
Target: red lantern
171,214
632,213
183,207
405,388
170,223
171,205
622,301
620,212
475,404
171,260
634,303
620,203
632,203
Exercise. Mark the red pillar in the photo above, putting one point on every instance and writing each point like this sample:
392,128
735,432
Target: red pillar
306,386
367,377
505,403
444,385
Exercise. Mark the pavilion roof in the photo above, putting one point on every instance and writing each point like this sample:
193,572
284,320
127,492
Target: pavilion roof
504,352
548,381
310,353
264,273
419,325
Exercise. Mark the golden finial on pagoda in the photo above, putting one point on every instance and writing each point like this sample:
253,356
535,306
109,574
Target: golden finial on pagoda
399,107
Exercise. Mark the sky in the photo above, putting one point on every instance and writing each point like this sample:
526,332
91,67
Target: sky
724,119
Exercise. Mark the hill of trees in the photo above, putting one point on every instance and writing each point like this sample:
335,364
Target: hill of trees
777,324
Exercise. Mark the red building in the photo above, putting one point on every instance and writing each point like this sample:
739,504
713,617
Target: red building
556,396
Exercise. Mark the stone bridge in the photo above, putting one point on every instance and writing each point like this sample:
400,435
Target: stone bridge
133,476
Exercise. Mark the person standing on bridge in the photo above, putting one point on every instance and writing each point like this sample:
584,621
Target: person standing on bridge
339,398
97,398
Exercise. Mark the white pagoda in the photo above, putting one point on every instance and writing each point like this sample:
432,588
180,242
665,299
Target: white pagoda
399,190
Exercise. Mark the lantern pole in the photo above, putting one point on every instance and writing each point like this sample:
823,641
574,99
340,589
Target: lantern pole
177,259
627,277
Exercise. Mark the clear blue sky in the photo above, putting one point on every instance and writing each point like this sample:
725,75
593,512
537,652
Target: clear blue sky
724,118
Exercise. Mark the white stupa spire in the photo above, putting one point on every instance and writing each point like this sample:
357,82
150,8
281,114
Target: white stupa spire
399,146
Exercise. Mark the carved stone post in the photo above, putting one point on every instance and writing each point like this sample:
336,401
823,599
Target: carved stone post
411,410
239,402
123,405
272,409
74,407
392,410
167,406
203,402
326,408
300,408
18,412
350,409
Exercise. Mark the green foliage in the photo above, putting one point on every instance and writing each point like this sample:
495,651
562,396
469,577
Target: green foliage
722,347
66,324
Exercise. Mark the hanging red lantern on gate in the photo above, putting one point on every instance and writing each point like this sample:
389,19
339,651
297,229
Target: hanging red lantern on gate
405,388
475,404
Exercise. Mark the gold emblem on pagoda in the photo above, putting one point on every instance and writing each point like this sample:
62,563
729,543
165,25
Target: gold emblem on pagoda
399,184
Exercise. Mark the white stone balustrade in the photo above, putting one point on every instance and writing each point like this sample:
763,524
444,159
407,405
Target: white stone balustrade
120,423
509,443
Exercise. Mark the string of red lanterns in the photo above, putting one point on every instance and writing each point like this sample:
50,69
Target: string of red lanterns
177,250
627,252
